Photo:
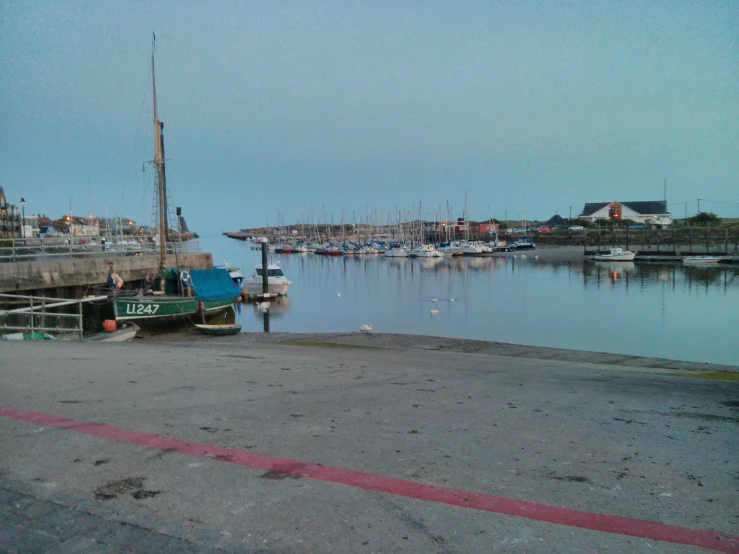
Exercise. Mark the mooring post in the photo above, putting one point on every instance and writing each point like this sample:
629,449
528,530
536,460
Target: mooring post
265,282
627,237
708,236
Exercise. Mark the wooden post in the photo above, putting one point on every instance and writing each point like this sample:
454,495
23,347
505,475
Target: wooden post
708,235
265,281
31,316
43,313
627,237
726,241
690,240
674,241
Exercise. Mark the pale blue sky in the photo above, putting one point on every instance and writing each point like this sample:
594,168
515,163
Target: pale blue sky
277,106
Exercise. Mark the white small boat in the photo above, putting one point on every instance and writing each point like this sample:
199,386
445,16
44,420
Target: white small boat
277,283
126,333
616,255
425,251
701,260
399,252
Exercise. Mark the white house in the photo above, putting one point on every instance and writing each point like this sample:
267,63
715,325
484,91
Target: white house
651,212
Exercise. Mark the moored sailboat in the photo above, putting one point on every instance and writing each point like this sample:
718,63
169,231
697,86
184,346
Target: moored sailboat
181,292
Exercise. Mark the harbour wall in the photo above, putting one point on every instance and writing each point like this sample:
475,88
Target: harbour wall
47,275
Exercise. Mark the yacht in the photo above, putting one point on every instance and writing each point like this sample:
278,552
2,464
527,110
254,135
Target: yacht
616,255
425,251
277,283
397,252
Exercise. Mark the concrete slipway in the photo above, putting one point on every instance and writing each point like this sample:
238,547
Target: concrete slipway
327,443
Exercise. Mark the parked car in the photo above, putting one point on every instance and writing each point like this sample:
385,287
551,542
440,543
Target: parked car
544,229
637,226
525,242
576,228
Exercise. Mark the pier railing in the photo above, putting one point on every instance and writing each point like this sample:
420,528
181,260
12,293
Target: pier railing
38,249
29,315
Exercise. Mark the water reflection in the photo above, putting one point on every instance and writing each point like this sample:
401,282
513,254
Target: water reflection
663,310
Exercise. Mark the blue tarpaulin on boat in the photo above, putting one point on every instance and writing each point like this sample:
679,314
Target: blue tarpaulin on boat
213,284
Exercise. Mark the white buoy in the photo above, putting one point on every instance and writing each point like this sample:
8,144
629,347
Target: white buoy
515,255
264,306
366,328
434,312
523,256
338,295
536,257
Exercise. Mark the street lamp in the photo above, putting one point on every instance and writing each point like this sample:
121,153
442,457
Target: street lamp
23,208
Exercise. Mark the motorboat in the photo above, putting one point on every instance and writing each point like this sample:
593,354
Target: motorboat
277,283
397,252
525,242
660,221
616,255
425,251
451,249
701,260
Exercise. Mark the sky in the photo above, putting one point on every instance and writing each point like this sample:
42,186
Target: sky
274,111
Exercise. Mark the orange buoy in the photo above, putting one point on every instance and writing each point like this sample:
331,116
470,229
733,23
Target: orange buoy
109,325
240,299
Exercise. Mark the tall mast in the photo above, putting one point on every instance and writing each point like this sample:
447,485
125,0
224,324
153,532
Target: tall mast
159,162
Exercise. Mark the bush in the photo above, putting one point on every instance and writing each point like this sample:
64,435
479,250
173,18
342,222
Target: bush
704,218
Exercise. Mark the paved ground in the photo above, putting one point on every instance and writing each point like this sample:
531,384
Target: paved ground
621,438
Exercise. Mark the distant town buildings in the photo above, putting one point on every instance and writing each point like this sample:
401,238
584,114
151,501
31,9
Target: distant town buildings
11,218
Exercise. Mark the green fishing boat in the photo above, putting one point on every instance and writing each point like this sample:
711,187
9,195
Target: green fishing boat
184,293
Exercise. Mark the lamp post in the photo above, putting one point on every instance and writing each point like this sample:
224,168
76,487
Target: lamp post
23,208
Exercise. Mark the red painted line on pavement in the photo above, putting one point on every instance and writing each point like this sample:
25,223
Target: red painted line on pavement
720,542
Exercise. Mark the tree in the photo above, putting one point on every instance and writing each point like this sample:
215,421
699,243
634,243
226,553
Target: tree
704,218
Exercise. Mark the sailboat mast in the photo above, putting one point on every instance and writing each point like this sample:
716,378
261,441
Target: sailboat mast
159,162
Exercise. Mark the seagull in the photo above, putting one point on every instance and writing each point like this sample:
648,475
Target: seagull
435,300
451,300
434,312
338,295
366,328
264,306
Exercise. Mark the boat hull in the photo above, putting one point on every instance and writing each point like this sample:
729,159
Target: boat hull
163,308
616,258
219,330
121,335
254,288
702,260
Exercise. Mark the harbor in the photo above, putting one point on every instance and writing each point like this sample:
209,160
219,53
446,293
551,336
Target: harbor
424,278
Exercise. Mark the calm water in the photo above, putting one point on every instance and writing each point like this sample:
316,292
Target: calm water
649,310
